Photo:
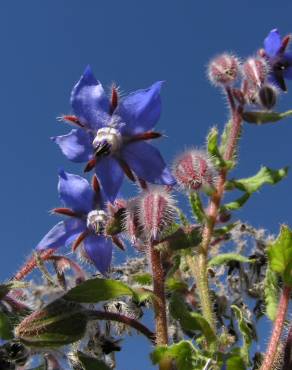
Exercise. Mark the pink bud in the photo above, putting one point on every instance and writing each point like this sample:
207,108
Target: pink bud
131,222
194,170
223,70
156,212
255,70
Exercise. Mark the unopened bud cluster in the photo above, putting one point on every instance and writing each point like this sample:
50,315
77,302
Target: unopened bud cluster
256,89
194,171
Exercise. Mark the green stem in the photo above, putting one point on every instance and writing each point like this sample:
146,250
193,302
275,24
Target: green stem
271,352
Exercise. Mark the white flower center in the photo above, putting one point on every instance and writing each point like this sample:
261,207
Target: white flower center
96,221
108,136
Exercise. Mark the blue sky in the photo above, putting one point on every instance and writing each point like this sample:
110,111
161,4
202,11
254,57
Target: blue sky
45,45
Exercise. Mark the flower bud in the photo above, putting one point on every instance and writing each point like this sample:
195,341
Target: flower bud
194,170
131,222
223,70
267,96
255,70
57,324
156,212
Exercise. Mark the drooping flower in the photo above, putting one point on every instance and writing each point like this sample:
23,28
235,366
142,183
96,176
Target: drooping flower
112,134
279,59
85,221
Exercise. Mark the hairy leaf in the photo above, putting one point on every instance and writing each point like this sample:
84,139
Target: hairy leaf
143,279
246,330
261,117
236,204
96,290
280,255
226,257
190,320
271,294
264,176
197,207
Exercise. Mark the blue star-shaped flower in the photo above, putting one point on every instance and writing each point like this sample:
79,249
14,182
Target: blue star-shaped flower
111,134
86,218
279,59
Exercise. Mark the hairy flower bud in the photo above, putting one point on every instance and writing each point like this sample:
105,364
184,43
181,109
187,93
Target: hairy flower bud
255,70
57,324
267,96
155,211
131,222
223,70
194,170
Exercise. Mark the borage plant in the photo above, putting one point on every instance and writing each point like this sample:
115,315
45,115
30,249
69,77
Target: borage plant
208,280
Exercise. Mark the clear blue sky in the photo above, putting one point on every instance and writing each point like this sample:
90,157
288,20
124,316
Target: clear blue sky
45,46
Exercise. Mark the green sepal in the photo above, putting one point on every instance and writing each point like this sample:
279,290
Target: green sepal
14,284
247,331
57,324
181,352
5,327
213,149
197,207
264,176
176,285
223,258
271,290
190,320
261,117
91,363
97,290
182,238
280,255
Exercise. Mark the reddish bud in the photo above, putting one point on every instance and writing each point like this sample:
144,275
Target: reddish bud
223,70
255,70
194,170
156,212
131,222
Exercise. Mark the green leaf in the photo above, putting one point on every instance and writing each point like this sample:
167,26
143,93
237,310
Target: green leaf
96,290
197,207
238,203
261,117
271,293
264,176
181,352
190,320
212,146
247,332
280,255
235,361
5,327
225,229
174,284
91,363
226,257
143,279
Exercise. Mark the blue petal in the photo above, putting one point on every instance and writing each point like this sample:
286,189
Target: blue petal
76,146
140,110
147,162
99,250
75,192
88,100
272,43
110,176
62,234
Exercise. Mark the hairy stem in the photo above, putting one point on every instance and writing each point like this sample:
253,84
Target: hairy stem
28,267
200,261
159,303
277,330
112,316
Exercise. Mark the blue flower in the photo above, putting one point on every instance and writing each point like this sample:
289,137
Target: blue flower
112,133
279,59
86,219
